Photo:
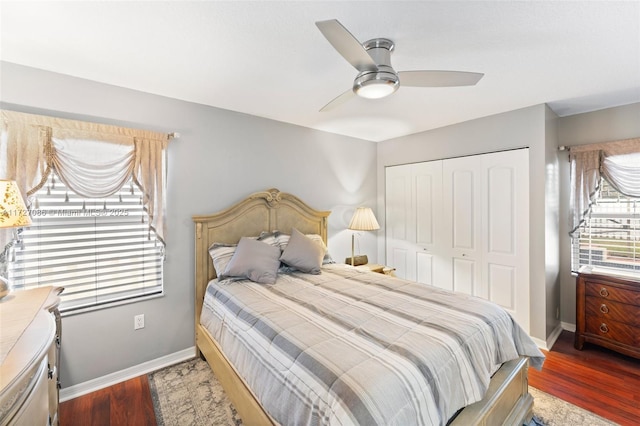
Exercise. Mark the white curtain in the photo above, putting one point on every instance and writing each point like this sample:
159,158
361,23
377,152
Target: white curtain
94,160
618,162
92,169
623,173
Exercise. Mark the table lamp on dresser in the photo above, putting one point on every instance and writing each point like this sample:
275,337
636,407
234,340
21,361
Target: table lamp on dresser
13,214
363,220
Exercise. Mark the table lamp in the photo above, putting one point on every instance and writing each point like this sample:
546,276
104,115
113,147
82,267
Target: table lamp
362,220
13,214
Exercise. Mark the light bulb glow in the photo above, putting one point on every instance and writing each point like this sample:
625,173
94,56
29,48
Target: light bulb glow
375,85
375,90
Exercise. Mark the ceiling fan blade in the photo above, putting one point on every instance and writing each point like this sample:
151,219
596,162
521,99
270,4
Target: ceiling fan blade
438,78
339,100
347,45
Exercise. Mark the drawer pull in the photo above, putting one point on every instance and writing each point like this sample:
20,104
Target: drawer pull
604,328
604,292
604,309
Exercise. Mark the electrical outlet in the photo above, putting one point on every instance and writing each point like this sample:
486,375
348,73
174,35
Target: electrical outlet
138,322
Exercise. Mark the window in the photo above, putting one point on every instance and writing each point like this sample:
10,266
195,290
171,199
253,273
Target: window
102,251
609,238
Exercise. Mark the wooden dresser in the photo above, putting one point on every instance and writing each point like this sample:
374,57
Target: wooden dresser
608,313
30,332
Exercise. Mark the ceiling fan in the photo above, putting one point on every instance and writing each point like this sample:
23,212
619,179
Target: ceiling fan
376,77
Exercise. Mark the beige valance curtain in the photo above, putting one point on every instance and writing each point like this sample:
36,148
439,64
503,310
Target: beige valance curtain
618,162
94,160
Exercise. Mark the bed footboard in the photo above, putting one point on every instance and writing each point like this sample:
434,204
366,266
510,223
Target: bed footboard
507,401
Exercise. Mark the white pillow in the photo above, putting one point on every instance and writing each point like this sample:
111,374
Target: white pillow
221,254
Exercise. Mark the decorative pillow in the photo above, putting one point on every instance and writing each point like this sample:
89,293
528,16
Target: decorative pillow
254,260
283,240
303,253
221,254
271,238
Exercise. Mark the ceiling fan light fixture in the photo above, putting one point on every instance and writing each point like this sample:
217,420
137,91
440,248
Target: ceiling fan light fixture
375,85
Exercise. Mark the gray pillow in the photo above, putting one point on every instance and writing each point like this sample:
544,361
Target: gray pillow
283,240
303,253
254,260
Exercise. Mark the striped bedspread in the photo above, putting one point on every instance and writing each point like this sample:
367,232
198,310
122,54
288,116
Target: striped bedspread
353,347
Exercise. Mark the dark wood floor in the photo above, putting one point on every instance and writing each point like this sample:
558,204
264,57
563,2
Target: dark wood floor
127,404
596,379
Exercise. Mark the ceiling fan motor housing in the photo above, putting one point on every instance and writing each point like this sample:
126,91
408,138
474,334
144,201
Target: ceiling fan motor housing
382,81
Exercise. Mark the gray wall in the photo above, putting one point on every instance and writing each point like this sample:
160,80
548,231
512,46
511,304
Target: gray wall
599,126
221,157
526,127
551,222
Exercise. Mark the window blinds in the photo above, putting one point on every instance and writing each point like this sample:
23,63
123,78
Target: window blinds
610,235
100,250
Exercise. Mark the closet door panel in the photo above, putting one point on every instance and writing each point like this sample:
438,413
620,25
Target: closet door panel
501,206
427,179
462,222
502,285
400,221
506,231
465,276
398,257
399,204
427,193
424,268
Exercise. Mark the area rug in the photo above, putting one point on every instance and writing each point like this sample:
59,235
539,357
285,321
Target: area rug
189,394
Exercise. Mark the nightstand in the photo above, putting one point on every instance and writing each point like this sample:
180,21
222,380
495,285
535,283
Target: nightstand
381,269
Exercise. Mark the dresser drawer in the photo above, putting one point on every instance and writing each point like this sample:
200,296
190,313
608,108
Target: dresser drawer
611,292
613,330
609,310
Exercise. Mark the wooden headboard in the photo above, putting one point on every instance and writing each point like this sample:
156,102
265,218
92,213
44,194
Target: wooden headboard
263,211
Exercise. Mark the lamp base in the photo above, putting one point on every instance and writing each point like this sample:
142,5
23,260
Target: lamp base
360,259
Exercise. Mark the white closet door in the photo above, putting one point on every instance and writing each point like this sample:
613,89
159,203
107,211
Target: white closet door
506,231
427,189
462,224
400,221
462,221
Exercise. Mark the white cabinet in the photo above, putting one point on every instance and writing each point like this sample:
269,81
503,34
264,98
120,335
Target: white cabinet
462,224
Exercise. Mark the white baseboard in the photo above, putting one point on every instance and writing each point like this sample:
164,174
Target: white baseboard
554,336
568,326
551,339
126,374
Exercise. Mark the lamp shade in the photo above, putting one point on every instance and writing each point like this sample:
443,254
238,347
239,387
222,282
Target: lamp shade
363,220
13,212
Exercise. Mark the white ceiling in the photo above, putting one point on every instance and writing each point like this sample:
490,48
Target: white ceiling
268,58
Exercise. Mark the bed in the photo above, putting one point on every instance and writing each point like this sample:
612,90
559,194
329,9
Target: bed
364,386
